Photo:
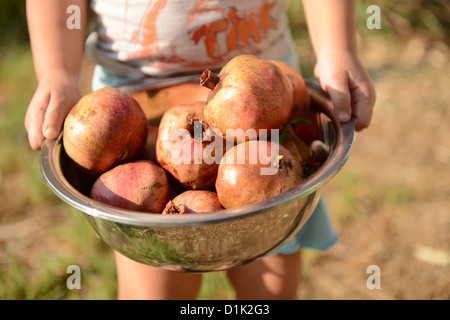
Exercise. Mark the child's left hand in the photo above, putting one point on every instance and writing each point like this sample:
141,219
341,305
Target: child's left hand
342,75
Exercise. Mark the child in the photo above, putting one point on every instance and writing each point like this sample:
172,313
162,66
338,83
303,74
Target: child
134,39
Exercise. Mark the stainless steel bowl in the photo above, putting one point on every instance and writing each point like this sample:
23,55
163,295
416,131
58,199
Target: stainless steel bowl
205,241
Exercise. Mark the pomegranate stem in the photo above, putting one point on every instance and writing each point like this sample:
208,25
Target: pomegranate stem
208,79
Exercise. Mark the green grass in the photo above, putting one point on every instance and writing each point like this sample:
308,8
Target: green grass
76,240
17,85
47,279
215,286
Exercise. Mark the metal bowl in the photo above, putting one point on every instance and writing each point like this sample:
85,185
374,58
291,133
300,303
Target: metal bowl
204,241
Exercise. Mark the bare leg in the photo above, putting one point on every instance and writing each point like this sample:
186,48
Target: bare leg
272,278
138,282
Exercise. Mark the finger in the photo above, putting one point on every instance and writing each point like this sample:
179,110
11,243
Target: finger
340,95
363,99
34,119
362,111
58,108
53,119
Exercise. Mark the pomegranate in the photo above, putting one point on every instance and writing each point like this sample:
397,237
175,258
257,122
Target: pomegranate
301,100
297,147
308,130
106,127
183,149
253,171
140,185
248,93
194,201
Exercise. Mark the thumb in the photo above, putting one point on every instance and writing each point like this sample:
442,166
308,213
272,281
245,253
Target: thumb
57,111
340,95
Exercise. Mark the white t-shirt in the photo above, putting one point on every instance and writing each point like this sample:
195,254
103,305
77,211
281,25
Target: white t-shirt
167,37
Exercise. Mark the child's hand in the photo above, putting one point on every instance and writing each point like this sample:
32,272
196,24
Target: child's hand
347,82
57,55
332,27
56,94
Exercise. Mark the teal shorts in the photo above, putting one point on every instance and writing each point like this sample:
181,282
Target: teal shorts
317,233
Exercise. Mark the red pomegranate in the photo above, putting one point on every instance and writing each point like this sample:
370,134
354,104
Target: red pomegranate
249,93
301,100
255,170
140,185
308,129
105,128
192,160
194,201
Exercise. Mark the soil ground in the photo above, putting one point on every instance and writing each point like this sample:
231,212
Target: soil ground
391,202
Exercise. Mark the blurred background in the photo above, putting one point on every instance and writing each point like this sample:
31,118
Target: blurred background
390,203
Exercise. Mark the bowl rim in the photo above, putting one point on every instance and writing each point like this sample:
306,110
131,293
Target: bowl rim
52,173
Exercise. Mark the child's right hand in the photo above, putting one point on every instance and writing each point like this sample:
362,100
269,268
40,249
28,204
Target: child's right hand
55,95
